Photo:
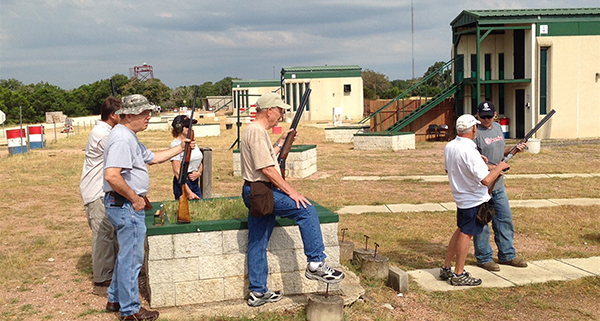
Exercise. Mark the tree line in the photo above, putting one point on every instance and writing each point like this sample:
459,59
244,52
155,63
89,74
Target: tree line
37,99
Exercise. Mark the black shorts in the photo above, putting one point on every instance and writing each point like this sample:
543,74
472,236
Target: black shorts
466,220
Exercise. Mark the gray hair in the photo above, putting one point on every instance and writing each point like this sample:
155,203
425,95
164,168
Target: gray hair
463,131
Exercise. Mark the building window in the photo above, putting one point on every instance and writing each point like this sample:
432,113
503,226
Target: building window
347,88
473,66
488,76
543,80
501,86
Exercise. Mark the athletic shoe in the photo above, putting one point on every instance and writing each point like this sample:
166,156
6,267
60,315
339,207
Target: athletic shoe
445,273
324,273
464,279
257,299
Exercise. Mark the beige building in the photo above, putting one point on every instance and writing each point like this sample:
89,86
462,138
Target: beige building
332,87
528,62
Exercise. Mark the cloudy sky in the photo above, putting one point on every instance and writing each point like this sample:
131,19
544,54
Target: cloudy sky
69,43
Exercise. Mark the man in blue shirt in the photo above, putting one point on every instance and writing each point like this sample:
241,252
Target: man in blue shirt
126,182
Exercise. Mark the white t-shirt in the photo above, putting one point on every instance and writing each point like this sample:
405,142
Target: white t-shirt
92,174
466,169
195,158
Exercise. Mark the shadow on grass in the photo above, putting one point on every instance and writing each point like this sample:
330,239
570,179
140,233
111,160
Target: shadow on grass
84,265
417,254
591,237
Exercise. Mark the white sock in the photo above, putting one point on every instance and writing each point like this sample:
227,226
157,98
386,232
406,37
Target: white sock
313,265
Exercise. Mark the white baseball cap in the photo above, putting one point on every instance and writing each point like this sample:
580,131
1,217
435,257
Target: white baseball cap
465,122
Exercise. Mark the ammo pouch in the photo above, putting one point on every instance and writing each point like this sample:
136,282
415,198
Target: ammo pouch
261,198
486,212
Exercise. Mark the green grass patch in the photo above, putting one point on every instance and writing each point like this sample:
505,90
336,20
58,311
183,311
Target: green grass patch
210,209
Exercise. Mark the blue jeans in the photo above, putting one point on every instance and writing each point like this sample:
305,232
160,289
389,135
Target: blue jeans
504,232
193,185
131,234
261,228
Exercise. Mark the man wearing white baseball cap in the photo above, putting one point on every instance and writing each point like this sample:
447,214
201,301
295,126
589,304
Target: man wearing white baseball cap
469,177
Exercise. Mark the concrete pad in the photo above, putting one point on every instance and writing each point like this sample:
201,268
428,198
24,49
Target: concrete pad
591,265
529,176
569,175
428,279
568,272
402,178
531,274
426,207
531,203
359,209
361,178
576,201
435,178
450,206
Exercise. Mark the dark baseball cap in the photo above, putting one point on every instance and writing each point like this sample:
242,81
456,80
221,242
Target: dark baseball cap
486,108
184,120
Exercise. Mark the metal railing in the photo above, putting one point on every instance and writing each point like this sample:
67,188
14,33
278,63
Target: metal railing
422,90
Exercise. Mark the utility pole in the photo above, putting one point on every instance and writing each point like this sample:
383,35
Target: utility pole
412,26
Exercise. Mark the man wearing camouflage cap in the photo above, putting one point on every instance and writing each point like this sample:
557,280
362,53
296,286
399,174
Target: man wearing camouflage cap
126,182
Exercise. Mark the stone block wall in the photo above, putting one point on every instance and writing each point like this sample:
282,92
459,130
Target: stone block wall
301,161
344,134
207,262
384,141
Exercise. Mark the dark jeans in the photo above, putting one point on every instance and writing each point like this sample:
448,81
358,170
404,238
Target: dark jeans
194,186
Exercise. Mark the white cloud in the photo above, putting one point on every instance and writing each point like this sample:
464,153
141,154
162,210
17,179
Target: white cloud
74,42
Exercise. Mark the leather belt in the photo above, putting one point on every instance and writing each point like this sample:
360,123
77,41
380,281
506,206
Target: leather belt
248,183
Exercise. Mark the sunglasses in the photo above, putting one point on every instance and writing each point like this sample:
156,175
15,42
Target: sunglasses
486,117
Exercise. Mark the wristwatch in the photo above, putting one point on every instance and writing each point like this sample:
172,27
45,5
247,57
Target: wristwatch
278,145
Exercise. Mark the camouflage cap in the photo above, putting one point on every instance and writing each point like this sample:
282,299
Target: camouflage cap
134,104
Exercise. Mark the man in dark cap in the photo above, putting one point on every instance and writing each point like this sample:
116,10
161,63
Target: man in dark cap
491,144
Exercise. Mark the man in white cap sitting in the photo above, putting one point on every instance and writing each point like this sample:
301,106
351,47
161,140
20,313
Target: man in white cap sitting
469,177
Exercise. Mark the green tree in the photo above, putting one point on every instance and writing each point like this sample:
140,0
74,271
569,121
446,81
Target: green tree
153,89
377,84
10,101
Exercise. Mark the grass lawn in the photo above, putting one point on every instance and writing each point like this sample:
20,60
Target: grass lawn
45,264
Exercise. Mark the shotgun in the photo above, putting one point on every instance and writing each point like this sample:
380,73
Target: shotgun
289,139
514,150
183,213
112,88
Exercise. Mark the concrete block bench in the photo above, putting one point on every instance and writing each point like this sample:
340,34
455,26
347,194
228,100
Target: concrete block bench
205,262
345,134
301,161
384,141
204,130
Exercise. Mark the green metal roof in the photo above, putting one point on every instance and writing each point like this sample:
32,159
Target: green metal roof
256,83
322,71
514,16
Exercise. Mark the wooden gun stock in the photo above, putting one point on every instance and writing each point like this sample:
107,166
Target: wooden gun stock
285,150
183,212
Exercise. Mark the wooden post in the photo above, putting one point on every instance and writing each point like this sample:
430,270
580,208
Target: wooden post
206,178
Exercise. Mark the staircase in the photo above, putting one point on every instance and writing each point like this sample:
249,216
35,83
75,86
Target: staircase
427,106
442,75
